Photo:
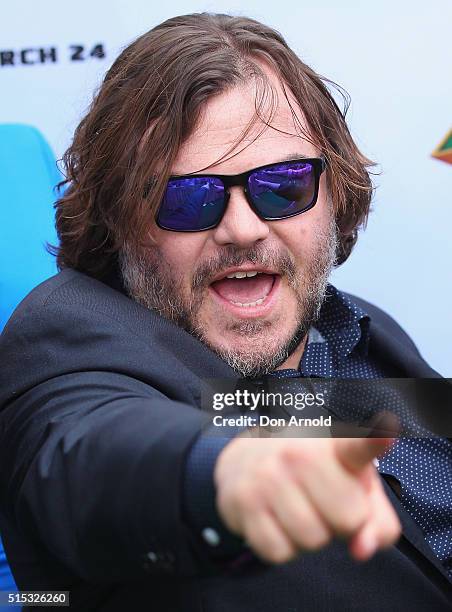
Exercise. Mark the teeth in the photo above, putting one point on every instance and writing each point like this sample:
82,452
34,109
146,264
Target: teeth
249,274
248,304
242,274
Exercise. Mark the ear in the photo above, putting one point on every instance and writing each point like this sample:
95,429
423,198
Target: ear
345,246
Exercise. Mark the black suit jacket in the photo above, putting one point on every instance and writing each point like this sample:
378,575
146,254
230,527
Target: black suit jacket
99,406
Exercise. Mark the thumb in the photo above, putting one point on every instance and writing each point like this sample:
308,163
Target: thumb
356,453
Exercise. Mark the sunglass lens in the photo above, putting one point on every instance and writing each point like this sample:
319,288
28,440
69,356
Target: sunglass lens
191,204
283,189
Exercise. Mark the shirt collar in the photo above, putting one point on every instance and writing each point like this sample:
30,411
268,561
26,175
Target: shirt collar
341,329
342,323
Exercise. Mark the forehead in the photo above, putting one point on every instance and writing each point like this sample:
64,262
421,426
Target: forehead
223,125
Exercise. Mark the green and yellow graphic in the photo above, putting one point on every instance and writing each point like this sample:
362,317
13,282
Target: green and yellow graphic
444,150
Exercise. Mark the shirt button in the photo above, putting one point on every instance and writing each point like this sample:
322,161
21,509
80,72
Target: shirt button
211,536
163,561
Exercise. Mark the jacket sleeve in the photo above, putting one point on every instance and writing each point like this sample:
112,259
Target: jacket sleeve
199,500
91,465
92,458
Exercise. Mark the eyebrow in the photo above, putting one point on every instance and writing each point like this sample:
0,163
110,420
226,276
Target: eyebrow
283,158
295,156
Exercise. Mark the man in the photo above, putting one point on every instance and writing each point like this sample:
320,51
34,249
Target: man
211,188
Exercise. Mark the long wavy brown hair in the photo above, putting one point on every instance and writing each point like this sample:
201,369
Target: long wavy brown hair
149,104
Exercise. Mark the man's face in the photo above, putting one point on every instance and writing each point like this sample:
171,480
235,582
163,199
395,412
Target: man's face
256,322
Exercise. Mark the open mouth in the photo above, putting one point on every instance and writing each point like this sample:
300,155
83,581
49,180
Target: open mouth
249,289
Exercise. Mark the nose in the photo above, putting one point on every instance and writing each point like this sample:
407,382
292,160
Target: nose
240,225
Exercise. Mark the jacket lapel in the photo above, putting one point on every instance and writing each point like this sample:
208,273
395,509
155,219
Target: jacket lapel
411,365
391,349
413,533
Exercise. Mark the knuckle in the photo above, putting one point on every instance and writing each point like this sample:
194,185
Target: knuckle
299,455
269,472
315,539
309,531
246,498
271,548
238,496
351,520
280,554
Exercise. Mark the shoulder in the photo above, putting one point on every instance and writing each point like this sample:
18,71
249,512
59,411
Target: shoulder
66,290
73,323
65,311
74,304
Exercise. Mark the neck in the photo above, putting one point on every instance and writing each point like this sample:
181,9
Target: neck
293,361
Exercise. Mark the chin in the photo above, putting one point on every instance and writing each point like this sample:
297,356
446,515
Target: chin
253,353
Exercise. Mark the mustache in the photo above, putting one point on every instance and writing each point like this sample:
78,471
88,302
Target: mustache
276,259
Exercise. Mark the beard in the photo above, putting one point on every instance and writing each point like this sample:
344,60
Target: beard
149,280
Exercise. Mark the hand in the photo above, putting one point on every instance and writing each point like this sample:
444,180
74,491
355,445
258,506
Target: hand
284,496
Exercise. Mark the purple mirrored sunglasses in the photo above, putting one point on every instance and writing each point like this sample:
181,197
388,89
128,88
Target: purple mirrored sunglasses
197,202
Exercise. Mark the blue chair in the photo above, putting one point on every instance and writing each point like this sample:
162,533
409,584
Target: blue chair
6,580
28,176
